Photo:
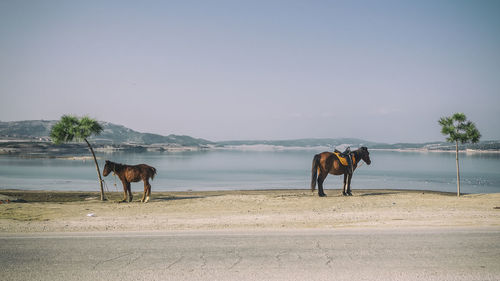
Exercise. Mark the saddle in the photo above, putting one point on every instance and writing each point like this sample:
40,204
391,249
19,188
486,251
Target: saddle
343,158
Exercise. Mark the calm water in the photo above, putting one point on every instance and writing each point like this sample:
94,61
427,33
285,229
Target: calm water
232,169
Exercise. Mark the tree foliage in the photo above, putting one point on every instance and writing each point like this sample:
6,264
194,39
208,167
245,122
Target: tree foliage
459,129
71,128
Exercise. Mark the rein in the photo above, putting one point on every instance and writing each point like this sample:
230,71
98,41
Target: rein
114,175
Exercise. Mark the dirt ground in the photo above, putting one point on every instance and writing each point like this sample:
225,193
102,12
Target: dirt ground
43,211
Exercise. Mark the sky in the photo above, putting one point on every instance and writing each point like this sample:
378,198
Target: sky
382,71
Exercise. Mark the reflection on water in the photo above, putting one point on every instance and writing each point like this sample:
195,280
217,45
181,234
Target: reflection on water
232,169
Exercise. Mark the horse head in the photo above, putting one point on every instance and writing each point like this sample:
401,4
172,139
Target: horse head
365,155
107,168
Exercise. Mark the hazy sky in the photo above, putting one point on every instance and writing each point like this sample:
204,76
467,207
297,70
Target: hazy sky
220,70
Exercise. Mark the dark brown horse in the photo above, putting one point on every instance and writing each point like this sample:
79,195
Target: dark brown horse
128,174
328,163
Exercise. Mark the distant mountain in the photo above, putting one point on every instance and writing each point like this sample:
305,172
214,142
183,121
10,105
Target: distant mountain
112,134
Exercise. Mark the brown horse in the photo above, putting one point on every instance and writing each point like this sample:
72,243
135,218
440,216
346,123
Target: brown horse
128,174
328,163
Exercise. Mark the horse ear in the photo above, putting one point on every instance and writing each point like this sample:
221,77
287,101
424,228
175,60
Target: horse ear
107,161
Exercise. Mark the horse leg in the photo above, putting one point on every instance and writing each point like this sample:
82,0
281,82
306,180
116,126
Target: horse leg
349,177
124,191
130,196
344,190
147,191
321,179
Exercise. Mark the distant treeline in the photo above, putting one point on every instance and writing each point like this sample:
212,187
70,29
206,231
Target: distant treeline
483,145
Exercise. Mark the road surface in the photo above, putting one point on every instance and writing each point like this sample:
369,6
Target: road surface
358,254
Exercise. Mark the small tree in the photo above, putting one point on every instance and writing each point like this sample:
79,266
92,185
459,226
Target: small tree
71,128
459,129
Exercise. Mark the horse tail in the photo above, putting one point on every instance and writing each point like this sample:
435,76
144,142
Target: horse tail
153,172
314,171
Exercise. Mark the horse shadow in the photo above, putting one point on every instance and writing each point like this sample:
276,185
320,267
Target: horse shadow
162,198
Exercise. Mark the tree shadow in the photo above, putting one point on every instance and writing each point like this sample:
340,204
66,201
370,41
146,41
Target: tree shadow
377,193
181,197
412,191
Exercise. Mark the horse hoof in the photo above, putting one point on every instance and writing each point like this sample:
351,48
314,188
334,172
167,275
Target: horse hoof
322,195
349,194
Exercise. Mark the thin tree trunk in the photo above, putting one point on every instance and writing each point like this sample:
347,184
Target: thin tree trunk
458,171
98,171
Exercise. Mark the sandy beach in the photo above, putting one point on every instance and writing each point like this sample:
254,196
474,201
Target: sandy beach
42,211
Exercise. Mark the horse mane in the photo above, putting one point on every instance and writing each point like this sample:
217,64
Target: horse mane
357,153
116,166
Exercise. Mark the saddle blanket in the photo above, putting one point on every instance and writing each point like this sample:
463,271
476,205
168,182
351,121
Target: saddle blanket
343,160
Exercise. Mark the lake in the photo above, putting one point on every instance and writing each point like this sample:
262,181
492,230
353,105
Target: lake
239,169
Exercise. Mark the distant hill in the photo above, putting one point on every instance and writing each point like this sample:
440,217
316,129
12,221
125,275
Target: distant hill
118,134
33,129
112,134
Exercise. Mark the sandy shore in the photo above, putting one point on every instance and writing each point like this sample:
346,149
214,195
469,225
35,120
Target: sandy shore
244,210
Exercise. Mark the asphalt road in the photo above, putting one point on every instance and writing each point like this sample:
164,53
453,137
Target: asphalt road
362,254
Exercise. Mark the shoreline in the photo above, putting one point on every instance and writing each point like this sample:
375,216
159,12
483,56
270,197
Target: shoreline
246,210
118,191
46,195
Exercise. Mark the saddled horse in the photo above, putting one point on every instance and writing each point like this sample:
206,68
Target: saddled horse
128,174
328,163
